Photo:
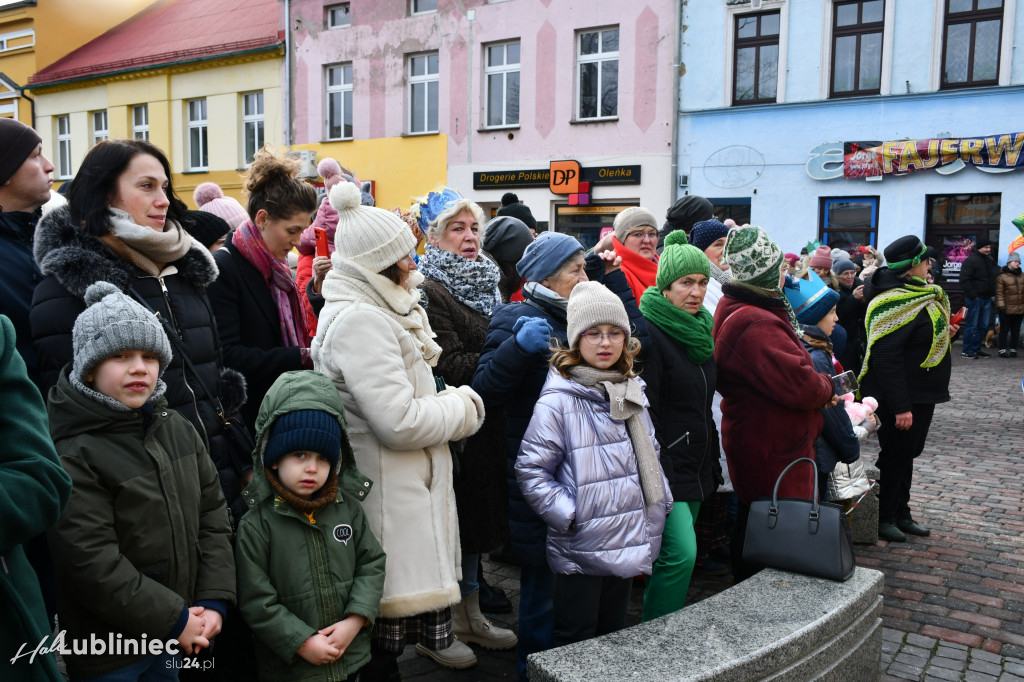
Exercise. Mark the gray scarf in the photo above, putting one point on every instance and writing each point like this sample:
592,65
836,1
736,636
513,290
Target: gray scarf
626,404
719,275
144,247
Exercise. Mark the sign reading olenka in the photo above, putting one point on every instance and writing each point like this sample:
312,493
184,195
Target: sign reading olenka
541,177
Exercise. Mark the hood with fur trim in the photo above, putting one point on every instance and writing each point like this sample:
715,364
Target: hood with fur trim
77,259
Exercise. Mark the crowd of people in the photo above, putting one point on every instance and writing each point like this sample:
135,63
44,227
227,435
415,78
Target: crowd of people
308,466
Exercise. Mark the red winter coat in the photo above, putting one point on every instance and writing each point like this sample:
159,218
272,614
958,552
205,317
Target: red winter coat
771,395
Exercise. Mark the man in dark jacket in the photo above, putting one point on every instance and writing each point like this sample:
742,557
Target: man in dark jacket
978,279
24,188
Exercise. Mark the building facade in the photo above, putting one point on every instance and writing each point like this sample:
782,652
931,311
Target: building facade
201,79
854,122
485,95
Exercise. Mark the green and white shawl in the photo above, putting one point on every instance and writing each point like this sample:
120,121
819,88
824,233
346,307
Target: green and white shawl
897,307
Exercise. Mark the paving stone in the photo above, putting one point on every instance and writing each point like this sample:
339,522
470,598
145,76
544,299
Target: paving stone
984,667
1007,677
948,663
943,673
927,643
911,660
979,677
978,654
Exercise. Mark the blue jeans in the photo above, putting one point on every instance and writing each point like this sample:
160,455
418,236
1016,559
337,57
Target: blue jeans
470,582
148,669
536,613
979,312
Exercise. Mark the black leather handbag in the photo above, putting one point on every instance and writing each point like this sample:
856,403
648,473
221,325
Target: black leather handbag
803,536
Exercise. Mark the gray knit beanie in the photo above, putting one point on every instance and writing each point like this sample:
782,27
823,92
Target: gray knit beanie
371,237
591,304
630,219
112,322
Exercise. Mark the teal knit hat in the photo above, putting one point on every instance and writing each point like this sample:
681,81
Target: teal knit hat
753,257
680,259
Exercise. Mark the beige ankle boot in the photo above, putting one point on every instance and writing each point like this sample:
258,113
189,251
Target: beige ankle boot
470,626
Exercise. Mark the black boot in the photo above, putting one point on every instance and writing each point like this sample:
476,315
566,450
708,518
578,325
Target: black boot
492,599
383,667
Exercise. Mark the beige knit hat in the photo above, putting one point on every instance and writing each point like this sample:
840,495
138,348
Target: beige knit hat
371,237
591,304
630,219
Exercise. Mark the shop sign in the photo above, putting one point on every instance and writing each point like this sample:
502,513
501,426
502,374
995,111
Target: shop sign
565,177
873,160
541,177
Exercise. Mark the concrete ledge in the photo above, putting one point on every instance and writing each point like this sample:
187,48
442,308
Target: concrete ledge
773,626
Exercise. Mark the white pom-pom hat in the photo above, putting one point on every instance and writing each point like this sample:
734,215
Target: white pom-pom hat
371,237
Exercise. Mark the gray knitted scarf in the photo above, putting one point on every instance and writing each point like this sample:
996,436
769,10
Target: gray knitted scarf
626,399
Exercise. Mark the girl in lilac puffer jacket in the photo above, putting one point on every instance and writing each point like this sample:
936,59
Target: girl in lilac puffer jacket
588,466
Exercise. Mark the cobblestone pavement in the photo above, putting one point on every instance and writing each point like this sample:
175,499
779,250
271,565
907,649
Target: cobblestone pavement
954,602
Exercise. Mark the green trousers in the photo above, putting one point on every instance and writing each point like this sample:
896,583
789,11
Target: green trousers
670,579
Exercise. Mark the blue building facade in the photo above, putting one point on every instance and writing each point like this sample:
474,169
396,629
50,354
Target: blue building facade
795,115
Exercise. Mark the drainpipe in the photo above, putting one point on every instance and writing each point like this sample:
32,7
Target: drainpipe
676,61
471,15
287,74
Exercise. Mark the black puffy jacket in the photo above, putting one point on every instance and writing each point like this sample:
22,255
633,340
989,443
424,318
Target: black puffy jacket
19,276
680,392
978,276
71,260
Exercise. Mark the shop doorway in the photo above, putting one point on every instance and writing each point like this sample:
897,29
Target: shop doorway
955,222
586,222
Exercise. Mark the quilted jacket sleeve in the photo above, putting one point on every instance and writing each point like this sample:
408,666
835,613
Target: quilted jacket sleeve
540,455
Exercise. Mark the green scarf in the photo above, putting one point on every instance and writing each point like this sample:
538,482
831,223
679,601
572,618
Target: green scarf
692,332
897,307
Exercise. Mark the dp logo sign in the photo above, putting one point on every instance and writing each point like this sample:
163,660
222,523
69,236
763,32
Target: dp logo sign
565,177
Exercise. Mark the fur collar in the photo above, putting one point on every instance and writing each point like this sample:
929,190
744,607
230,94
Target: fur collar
77,259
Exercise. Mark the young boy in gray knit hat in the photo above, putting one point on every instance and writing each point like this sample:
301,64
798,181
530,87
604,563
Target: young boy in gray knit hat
143,549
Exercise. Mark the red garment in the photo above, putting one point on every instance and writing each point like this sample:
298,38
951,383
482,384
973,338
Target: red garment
771,395
326,218
303,274
640,272
517,297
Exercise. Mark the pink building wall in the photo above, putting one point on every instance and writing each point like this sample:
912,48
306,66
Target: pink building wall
382,34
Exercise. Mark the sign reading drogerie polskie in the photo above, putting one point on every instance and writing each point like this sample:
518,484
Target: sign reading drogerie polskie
541,177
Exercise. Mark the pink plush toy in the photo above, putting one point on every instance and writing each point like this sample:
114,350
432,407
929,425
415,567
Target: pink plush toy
862,415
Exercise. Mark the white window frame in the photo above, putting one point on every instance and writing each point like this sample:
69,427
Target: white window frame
140,131
938,35
888,29
413,11
339,90
729,42
255,121
199,124
504,70
63,124
100,125
329,15
423,80
5,39
600,58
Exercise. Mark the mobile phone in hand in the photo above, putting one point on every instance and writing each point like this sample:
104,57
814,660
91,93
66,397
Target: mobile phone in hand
845,383
321,242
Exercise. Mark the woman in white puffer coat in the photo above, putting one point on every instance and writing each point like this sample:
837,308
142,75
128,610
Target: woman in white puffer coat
375,343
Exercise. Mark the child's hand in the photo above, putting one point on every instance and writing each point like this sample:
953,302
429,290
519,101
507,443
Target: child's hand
318,650
191,639
214,622
344,631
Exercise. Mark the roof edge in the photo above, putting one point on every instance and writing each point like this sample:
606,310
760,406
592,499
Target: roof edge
154,61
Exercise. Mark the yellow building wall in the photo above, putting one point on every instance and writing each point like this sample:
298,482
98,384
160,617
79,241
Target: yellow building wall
166,93
401,167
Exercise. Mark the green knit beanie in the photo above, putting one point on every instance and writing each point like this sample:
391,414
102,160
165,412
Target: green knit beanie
753,257
680,259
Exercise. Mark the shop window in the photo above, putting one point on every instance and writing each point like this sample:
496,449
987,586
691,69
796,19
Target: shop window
971,38
597,59
955,222
586,223
857,48
848,223
756,58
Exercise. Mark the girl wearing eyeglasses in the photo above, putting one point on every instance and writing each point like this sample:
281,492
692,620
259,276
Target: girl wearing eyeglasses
588,466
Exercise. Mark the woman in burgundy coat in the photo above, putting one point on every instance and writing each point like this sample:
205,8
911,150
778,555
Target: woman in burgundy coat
771,394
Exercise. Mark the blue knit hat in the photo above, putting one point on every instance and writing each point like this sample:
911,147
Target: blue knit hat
811,298
707,232
304,431
546,254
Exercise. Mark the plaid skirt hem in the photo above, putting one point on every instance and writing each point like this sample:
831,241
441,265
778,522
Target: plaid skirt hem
433,630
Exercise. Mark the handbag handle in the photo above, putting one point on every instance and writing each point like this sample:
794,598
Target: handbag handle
773,510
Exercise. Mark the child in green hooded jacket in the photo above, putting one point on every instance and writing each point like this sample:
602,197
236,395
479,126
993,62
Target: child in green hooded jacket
310,571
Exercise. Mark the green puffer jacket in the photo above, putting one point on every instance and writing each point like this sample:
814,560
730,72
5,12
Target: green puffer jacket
296,577
33,491
146,532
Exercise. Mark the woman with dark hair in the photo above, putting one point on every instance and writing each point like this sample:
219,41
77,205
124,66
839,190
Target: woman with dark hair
907,369
123,224
255,298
